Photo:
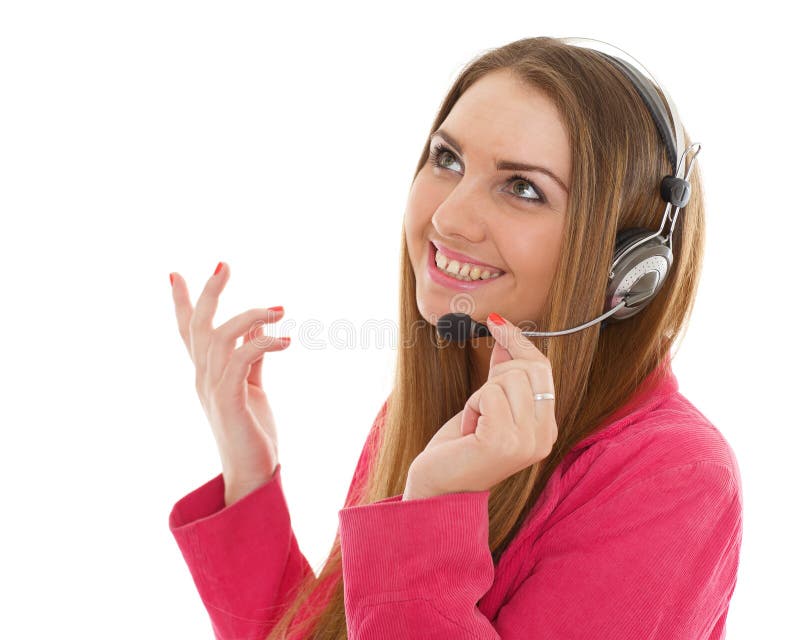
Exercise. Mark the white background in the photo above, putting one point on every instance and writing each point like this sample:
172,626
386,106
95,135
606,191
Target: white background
140,138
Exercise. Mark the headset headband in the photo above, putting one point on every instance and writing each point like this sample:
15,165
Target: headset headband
668,125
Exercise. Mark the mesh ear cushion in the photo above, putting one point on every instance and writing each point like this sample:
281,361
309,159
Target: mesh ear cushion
623,239
638,267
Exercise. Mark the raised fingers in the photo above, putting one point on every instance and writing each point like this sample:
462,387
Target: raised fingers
183,308
201,323
224,339
256,335
230,383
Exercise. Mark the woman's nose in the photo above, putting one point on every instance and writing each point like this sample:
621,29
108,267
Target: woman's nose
463,212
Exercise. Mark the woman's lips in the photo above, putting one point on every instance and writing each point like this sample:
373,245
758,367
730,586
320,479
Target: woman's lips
454,255
445,280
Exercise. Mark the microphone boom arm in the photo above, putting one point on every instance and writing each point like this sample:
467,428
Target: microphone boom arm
460,326
578,328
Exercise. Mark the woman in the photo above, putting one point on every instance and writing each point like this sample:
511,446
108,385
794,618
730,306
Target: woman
511,487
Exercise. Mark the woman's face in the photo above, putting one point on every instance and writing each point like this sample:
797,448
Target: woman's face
481,215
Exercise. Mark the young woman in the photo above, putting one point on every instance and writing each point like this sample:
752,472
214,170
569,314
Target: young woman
512,486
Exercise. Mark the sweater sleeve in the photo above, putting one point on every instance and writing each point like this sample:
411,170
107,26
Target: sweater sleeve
244,558
416,568
657,560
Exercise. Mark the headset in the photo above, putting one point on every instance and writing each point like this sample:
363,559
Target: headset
642,258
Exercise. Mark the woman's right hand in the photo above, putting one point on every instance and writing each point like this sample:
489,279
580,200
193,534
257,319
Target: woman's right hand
228,382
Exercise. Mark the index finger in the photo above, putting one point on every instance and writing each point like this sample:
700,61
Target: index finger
512,339
201,322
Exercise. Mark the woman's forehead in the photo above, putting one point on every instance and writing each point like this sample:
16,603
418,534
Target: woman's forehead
498,117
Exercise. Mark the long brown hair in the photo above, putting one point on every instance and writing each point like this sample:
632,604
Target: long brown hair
618,161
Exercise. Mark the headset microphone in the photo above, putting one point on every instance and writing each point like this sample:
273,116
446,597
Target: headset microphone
642,258
461,327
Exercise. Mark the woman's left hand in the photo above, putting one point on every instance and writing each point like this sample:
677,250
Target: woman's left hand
501,429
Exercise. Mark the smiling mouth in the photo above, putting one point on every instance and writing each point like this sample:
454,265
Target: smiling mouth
463,271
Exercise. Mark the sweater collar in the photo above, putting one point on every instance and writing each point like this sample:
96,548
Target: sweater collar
654,389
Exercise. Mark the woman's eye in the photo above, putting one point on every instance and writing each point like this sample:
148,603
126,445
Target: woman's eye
526,187
533,197
441,157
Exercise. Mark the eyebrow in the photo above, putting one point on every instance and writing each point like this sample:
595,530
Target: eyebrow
502,164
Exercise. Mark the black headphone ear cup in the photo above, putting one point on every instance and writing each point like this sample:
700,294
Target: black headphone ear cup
639,274
624,236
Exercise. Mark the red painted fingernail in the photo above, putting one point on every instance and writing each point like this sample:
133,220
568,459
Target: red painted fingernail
285,339
171,279
278,308
219,266
496,319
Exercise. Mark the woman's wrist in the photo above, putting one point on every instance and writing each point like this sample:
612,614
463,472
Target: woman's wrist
238,488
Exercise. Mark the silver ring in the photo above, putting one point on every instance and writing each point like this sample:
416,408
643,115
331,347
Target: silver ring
543,396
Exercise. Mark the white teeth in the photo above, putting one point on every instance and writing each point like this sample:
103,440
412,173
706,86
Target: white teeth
463,271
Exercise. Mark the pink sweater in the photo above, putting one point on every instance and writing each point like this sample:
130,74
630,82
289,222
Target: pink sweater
636,535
